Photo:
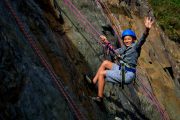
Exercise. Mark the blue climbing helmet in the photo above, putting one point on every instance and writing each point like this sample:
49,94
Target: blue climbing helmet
128,32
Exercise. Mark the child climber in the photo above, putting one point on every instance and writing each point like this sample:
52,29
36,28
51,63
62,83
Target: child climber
129,53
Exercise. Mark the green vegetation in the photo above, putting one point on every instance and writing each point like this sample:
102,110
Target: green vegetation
167,12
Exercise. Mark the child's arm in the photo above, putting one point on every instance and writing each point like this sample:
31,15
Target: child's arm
148,22
108,44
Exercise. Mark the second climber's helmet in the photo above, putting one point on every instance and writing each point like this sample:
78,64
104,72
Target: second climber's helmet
128,32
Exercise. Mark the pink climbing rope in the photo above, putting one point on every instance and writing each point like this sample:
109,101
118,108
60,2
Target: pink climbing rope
153,99
83,21
115,27
37,51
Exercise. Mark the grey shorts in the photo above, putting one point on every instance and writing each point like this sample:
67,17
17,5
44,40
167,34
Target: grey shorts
114,75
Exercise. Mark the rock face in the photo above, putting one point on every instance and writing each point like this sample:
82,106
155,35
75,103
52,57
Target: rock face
25,84
71,48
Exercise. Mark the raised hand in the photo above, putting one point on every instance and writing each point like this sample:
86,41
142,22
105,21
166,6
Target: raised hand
104,39
148,21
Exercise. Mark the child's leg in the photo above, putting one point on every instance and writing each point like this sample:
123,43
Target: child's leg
114,75
101,83
106,64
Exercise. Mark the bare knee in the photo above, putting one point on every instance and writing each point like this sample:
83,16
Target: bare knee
102,73
107,64
101,77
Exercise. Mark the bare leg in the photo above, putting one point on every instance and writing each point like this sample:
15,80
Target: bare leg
106,64
101,83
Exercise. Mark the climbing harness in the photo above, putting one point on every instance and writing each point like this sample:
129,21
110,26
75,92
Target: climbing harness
123,74
37,51
125,67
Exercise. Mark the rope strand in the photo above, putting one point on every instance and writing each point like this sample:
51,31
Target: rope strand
37,51
153,99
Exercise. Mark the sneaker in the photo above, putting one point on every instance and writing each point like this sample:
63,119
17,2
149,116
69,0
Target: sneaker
97,99
90,83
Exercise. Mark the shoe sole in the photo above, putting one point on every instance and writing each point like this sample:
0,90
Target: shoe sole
88,79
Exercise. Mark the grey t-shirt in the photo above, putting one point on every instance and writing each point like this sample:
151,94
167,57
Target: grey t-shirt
130,54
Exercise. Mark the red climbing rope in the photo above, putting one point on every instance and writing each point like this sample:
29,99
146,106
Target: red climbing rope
83,21
37,51
153,99
112,20
86,24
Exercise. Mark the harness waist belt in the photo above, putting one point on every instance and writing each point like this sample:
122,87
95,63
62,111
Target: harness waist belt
129,69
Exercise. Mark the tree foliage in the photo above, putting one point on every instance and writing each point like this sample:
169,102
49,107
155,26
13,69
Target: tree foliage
167,13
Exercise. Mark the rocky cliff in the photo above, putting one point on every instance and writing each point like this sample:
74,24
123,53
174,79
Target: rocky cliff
70,46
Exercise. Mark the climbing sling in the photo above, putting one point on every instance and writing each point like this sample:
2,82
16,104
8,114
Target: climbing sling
125,67
123,74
